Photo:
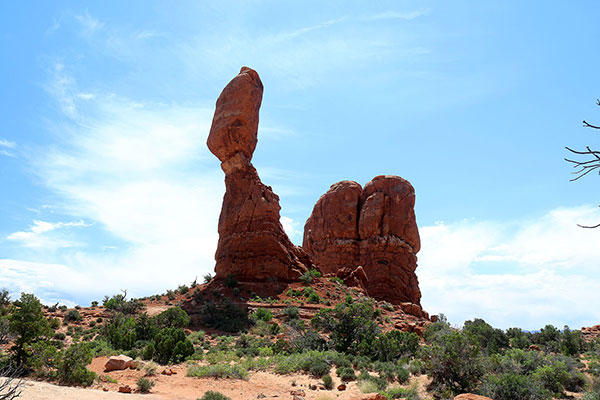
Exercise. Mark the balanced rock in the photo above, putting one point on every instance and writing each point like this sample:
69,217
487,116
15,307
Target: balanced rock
252,243
117,363
368,234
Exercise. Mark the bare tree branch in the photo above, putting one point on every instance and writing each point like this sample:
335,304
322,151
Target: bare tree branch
10,384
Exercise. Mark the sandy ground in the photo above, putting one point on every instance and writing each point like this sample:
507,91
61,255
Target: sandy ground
179,387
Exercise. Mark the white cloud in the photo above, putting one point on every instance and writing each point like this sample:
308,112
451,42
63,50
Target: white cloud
138,171
513,273
38,235
7,143
88,23
293,229
409,15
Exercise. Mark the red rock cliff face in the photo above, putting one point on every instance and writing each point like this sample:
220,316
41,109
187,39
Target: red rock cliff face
368,236
252,243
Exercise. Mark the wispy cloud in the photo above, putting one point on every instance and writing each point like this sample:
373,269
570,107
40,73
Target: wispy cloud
513,273
139,172
409,15
8,144
89,24
38,235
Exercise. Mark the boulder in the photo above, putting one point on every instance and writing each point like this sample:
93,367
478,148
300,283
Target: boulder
471,396
117,363
252,243
125,389
369,237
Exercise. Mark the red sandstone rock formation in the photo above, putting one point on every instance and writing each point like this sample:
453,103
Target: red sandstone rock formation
590,333
252,243
370,233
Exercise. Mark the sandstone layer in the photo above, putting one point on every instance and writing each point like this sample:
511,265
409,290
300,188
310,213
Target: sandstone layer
368,236
252,243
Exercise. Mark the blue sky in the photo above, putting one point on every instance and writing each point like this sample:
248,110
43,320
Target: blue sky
108,184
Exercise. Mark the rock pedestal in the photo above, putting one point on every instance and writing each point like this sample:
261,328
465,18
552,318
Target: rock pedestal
252,243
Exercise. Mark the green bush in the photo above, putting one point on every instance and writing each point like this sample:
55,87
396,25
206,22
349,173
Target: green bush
174,317
402,393
291,313
71,365
490,339
327,382
261,314
337,280
59,336
553,377
144,385
230,281
320,368
171,345
218,371
394,345
369,384
350,324
120,331
72,316
225,315
310,275
28,324
453,362
402,375
210,395
346,374
119,304
510,386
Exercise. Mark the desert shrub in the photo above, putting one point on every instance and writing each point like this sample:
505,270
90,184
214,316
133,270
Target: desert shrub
28,324
261,314
144,385
59,336
119,304
401,393
71,365
54,323
402,374
548,338
120,331
436,330
320,368
415,367
171,344
327,381
148,352
211,395
310,275
224,315
5,333
72,316
306,339
207,278
518,339
510,386
291,313
183,289
4,298
230,281
492,340
370,384
571,342
286,364
453,362
337,280
174,317
553,377
346,374
41,361
149,368
393,345
349,324
218,371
